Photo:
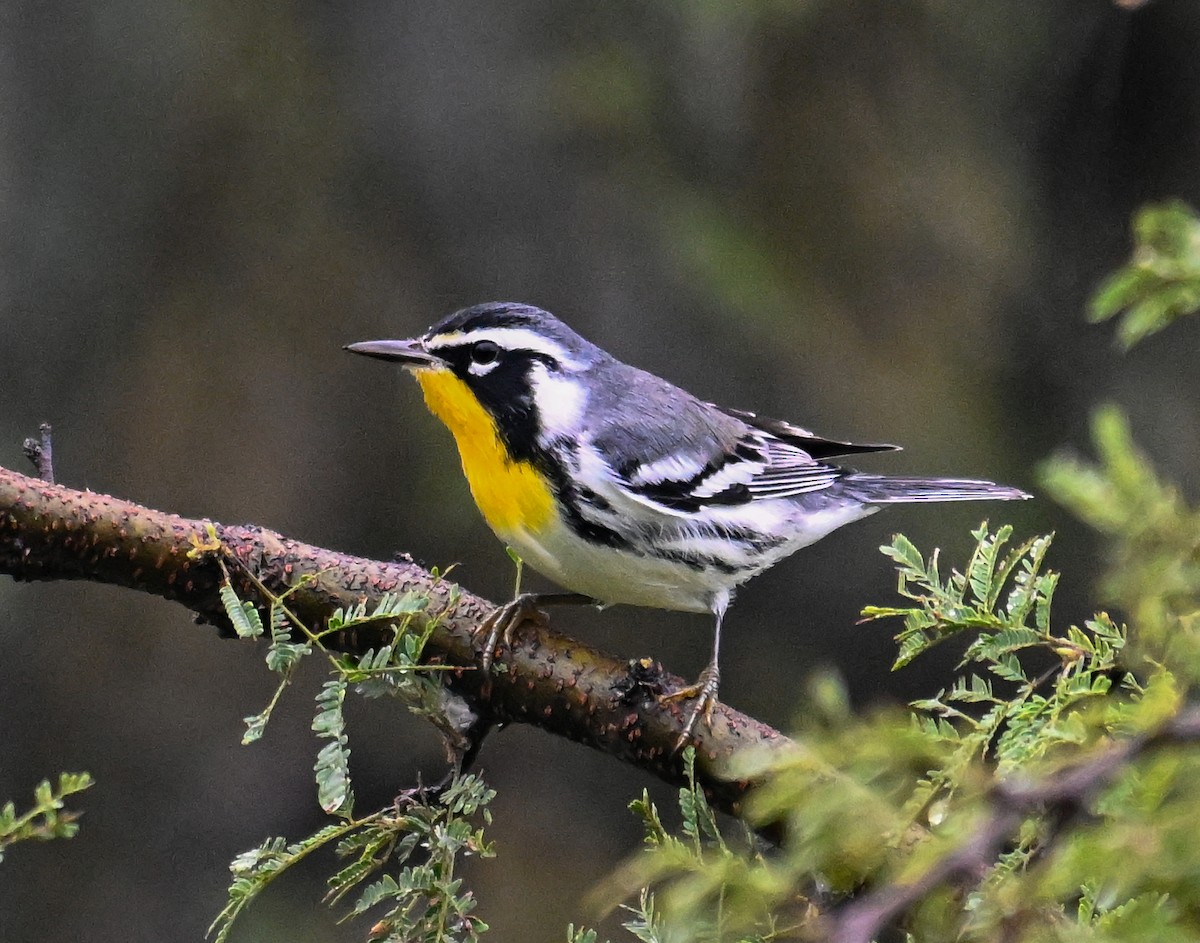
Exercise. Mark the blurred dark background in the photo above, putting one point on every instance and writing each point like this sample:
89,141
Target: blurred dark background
879,220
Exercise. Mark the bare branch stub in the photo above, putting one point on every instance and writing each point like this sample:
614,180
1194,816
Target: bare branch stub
40,452
547,679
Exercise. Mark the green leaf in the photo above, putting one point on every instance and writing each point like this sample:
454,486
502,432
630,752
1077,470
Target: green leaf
48,818
243,616
333,762
1161,281
256,725
902,550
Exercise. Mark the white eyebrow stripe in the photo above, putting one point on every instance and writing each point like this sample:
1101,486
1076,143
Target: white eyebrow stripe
508,338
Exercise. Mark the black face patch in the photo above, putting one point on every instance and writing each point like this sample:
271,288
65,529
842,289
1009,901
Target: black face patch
504,389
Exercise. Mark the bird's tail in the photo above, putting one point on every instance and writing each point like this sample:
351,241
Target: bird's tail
881,489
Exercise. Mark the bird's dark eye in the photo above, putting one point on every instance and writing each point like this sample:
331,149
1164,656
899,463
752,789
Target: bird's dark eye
485,352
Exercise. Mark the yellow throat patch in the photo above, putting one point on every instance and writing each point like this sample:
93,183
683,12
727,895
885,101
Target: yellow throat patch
512,495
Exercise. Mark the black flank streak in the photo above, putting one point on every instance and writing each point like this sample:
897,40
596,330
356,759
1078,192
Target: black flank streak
590,498
697,562
571,497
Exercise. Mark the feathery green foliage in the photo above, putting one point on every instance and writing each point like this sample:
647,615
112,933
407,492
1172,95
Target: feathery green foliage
418,841
48,818
409,849
1161,281
886,799
894,800
1153,570
1022,721
427,901
702,871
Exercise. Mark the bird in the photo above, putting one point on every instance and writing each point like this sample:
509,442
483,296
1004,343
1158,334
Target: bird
623,488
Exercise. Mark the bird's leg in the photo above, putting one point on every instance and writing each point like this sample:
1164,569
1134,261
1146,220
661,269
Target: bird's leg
502,623
704,691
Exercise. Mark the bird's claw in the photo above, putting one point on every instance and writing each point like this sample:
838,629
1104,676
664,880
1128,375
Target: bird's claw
705,693
501,624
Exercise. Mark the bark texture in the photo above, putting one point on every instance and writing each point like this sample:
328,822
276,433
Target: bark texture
52,532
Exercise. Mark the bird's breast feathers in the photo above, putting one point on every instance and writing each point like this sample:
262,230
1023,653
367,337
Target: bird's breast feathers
512,496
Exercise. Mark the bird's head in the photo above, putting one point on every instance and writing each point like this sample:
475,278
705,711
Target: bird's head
515,361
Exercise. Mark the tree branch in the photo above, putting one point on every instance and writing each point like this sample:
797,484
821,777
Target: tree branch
51,532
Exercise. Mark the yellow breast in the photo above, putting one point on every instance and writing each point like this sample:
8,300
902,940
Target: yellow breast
512,495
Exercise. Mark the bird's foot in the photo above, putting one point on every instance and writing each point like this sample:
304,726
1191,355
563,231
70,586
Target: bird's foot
501,624
705,693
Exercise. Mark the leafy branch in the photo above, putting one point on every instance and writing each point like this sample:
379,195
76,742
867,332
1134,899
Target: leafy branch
419,839
48,818
1056,800
1161,281
982,809
1153,569
1033,712
426,901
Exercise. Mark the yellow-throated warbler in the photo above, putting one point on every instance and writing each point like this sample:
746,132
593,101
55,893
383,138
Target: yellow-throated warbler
624,488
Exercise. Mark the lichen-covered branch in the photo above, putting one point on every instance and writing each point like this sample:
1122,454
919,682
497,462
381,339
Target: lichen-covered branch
51,532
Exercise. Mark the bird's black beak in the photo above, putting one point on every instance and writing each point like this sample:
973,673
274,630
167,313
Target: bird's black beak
410,353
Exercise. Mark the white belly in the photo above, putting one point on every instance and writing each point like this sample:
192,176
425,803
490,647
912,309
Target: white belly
614,576
611,576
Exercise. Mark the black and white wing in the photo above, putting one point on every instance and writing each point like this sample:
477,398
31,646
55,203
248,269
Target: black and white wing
756,468
670,451
816,446
712,458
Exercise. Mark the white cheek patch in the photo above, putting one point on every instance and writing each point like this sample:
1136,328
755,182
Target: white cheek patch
560,402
